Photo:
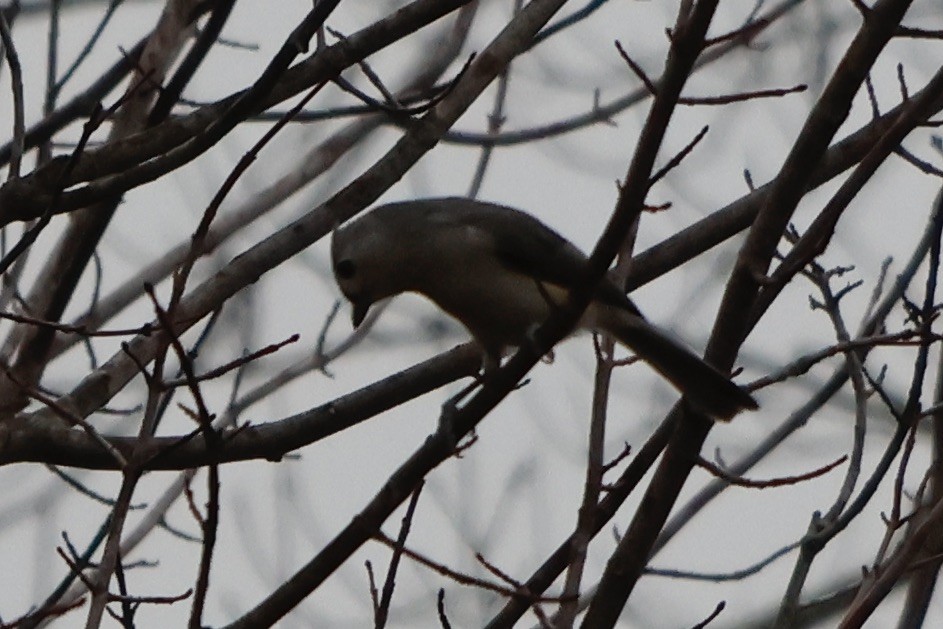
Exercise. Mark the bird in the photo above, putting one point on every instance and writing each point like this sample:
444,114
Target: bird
501,272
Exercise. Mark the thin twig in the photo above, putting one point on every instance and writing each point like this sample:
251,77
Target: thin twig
383,608
708,100
740,481
719,577
460,577
16,85
232,365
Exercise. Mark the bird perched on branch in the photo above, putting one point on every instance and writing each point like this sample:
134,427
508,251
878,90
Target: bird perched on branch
501,273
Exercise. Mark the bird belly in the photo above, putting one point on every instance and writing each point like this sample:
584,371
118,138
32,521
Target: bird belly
499,309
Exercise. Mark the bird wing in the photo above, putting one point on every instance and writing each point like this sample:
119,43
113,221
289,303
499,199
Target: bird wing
524,244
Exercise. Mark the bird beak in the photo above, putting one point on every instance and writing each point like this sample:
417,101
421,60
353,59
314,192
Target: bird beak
359,312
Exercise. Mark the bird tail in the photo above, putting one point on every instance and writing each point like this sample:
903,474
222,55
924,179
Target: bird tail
705,388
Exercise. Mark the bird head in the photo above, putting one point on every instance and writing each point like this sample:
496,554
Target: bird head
365,264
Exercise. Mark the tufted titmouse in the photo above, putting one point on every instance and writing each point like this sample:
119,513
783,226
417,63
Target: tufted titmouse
501,273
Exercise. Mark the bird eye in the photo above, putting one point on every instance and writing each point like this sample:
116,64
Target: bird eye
345,269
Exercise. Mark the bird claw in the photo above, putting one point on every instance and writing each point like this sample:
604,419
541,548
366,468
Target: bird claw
533,344
449,434
446,425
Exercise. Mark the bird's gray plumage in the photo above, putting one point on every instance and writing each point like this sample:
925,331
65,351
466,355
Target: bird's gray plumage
501,272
